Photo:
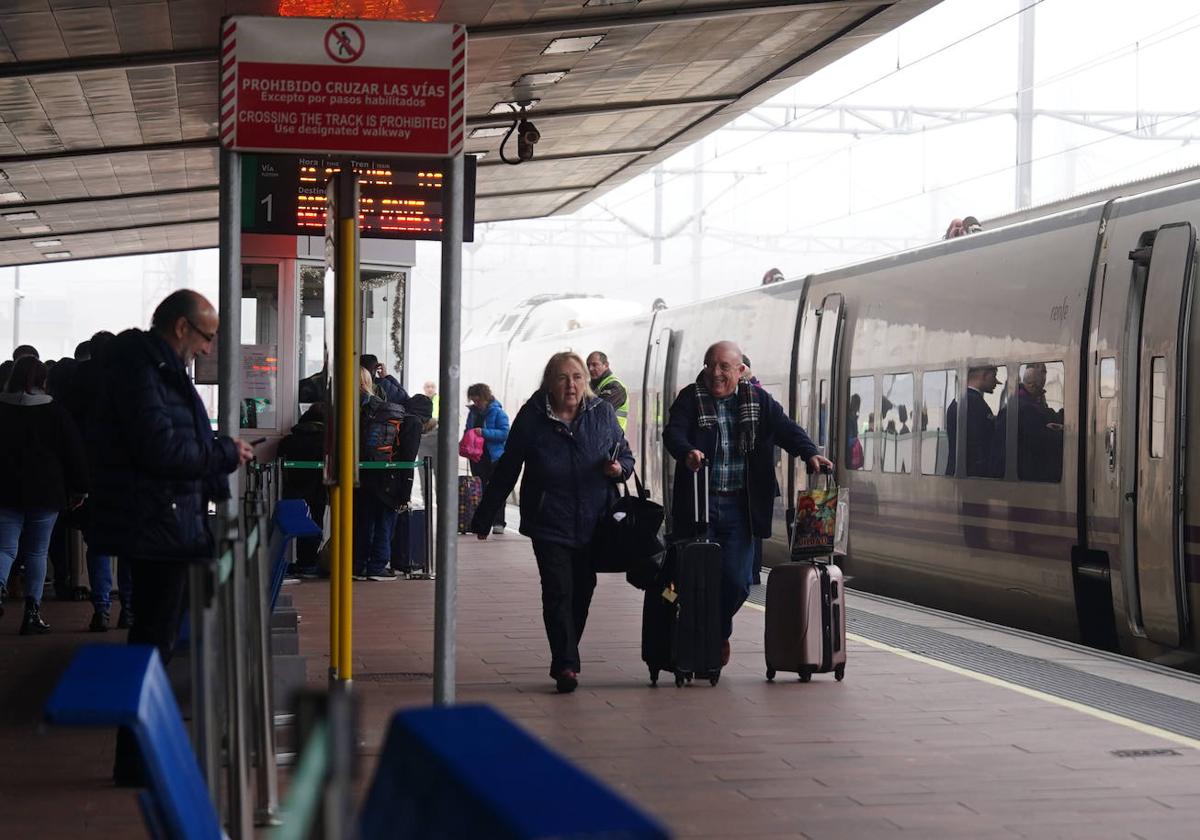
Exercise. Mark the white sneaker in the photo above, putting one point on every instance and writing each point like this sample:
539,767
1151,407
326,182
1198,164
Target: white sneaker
497,529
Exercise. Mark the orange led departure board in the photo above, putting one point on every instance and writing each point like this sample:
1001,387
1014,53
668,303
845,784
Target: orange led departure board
398,199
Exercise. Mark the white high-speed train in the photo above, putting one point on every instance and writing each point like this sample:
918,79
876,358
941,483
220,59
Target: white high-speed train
1085,521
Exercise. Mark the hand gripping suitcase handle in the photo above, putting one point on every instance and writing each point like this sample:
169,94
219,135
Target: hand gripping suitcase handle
696,507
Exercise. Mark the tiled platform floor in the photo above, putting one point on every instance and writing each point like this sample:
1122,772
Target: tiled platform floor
901,749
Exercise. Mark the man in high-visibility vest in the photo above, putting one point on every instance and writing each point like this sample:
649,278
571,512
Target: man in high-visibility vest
607,387
431,392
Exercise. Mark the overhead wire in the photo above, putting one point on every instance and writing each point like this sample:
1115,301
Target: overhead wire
1124,51
919,60
1144,42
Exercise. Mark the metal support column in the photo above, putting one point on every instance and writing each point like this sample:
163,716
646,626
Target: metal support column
446,589
346,385
335,581
1025,42
233,589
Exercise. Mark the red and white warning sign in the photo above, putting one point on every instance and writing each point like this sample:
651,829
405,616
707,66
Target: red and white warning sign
342,87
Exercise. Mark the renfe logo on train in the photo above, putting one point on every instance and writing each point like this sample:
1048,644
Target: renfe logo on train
383,88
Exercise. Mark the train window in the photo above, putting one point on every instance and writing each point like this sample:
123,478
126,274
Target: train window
1158,406
1040,395
896,422
938,391
985,421
823,414
860,423
1108,377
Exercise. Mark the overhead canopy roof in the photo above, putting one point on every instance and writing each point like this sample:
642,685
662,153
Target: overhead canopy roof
108,108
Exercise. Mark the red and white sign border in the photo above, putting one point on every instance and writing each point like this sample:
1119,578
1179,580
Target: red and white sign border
458,81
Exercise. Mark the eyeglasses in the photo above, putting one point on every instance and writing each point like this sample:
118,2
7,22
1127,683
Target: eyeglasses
723,367
206,336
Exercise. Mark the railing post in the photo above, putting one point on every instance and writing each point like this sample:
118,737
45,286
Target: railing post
262,719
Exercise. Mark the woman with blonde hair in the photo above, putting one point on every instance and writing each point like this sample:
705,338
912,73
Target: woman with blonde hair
573,453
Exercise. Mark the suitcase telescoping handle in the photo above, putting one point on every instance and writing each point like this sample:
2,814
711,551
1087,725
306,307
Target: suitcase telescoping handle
701,524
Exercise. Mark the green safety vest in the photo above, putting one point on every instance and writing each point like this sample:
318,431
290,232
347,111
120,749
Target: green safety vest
623,408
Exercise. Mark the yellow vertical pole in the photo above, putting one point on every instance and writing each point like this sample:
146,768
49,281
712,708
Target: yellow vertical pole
347,404
335,583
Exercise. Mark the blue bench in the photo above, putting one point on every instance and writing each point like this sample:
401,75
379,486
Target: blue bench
466,771
125,685
290,521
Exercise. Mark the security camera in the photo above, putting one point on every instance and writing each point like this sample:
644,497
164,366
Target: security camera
527,137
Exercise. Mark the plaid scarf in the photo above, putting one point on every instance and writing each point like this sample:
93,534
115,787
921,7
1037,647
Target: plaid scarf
747,412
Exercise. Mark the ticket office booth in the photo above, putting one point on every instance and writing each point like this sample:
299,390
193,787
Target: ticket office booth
283,323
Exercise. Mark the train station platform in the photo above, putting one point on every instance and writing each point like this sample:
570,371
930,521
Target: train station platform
943,727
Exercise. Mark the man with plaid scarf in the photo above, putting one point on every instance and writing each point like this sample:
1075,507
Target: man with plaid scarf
735,427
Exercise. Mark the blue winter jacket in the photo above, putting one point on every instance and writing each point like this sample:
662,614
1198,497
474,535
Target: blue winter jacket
155,460
565,491
775,428
493,426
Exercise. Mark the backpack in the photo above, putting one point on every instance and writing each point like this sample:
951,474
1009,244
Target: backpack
380,422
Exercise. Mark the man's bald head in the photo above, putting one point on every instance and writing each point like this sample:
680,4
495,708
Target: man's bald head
723,368
188,322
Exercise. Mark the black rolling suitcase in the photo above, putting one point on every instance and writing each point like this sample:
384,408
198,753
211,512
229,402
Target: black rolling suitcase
681,619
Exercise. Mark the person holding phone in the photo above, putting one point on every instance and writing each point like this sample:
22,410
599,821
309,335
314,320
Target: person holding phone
573,453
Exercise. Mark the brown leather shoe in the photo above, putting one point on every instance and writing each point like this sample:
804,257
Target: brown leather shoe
725,653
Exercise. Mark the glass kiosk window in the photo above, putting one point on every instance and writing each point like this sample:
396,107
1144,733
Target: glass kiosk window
260,346
382,302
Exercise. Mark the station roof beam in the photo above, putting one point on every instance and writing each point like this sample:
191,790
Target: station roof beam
112,106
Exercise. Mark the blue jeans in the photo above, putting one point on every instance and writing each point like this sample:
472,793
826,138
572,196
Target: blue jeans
373,525
26,533
729,518
100,579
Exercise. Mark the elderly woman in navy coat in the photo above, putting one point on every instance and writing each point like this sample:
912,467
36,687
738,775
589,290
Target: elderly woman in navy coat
565,437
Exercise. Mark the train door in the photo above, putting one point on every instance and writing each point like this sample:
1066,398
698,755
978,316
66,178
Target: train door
654,417
802,402
1156,371
826,374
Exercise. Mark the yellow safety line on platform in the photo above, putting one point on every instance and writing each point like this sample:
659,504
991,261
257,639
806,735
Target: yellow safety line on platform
1137,726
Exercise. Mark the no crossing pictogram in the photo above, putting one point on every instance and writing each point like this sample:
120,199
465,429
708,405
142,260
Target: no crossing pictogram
344,43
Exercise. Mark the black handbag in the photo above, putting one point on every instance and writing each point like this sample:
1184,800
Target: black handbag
626,538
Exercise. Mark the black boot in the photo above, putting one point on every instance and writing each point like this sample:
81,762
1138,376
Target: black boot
32,623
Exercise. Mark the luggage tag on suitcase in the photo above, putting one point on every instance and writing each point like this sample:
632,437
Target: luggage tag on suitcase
669,594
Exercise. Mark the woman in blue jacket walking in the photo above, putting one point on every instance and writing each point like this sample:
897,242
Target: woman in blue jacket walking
486,414
573,452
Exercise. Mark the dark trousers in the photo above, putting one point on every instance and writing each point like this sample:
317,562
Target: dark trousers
568,581
484,468
374,523
159,596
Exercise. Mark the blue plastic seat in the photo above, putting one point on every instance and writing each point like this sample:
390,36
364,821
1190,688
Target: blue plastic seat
125,685
290,521
467,771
